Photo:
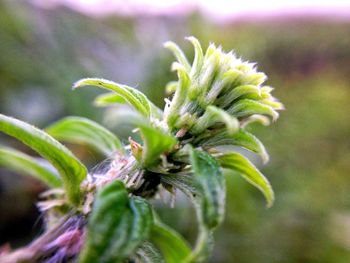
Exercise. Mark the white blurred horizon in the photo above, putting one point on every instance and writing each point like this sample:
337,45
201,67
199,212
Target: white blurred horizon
218,10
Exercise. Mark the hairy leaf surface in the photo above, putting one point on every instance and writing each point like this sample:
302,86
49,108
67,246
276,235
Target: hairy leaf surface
149,253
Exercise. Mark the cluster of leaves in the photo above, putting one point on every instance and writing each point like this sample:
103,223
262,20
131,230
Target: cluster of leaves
214,99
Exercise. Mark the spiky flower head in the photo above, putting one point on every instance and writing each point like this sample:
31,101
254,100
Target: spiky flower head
218,91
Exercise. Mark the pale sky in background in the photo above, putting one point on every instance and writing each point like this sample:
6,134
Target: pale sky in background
217,9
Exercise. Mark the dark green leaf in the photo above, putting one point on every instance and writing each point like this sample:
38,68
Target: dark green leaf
23,163
82,130
68,166
237,162
117,226
211,183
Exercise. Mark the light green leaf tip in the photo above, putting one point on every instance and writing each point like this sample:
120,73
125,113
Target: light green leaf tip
69,167
23,163
237,162
215,115
198,56
83,130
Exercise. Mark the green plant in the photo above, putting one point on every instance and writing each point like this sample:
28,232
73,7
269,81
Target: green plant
107,217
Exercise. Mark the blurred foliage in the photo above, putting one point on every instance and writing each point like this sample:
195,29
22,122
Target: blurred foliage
42,52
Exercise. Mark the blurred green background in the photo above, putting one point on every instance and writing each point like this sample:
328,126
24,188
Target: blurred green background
43,51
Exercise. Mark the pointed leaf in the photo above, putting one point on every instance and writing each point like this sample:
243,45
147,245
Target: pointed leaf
180,56
242,138
198,56
214,115
134,97
247,107
255,118
237,162
155,144
23,163
68,166
237,92
172,112
83,130
172,245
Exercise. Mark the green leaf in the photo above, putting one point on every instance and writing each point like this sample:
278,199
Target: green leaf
108,99
237,92
173,247
214,115
171,87
23,163
82,130
148,253
134,97
172,112
237,162
255,118
155,141
141,224
247,107
198,56
117,226
211,183
242,138
180,56
109,208
188,185
68,166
